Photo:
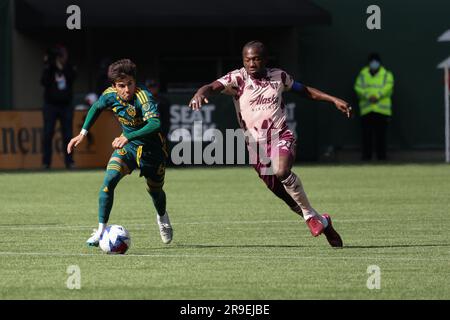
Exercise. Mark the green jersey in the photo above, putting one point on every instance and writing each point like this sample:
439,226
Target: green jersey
139,117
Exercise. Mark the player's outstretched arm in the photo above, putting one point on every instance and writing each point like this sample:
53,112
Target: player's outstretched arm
315,94
202,94
153,125
74,142
340,104
91,117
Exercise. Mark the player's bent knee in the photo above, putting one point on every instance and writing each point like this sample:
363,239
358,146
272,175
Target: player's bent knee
118,164
114,173
113,176
153,186
154,189
282,173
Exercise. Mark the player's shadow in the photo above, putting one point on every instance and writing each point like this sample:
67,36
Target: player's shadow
208,246
397,246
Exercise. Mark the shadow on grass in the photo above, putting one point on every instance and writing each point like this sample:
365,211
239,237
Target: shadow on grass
207,246
398,246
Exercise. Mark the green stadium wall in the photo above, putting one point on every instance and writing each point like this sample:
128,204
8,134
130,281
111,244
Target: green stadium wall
5,54
328,57
331,57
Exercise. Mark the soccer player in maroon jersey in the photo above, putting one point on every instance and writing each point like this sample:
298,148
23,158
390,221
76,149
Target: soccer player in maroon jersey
257,96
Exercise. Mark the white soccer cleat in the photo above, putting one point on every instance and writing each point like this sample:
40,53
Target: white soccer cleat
165,229
94,239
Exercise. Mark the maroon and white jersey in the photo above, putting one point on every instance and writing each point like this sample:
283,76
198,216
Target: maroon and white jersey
259,102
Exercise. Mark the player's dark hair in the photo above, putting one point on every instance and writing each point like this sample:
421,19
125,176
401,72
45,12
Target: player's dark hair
256,44
120,69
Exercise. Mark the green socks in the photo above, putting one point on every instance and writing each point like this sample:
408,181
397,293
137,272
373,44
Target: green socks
159,200
106,194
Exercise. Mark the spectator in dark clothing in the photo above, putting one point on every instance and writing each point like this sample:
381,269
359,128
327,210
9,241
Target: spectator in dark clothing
102,81
163,105
57,78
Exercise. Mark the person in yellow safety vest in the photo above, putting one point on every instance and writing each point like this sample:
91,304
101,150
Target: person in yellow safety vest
374,87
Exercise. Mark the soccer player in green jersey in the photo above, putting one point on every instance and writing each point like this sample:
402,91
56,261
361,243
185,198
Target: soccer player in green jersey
141,144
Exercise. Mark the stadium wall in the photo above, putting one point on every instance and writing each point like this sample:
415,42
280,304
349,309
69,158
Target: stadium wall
5,54
326,57
331,58
21,141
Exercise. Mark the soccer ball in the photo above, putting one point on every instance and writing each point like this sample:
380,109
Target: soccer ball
115,240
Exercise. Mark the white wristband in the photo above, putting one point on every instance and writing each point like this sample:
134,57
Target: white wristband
84,132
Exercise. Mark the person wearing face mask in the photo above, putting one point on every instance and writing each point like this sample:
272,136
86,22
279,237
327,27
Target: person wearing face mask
374,87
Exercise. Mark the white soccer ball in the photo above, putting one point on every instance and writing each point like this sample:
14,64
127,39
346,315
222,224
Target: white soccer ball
115,240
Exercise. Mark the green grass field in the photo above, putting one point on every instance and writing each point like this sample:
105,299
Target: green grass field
232,238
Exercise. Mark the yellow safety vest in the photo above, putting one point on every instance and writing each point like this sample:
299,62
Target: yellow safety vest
380,85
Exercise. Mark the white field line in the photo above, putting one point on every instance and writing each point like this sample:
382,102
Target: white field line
137,226
212,256
56,226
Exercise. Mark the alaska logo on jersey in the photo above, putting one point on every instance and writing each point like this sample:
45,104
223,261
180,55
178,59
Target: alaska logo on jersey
261,99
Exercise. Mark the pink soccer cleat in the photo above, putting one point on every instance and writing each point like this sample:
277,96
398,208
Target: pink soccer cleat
334,239
315,226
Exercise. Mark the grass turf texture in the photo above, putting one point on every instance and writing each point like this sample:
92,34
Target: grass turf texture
232,238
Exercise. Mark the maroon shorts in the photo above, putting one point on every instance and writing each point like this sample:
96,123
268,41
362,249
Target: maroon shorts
284,145
262,154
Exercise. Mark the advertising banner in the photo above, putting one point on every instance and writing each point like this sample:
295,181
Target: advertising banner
21,135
